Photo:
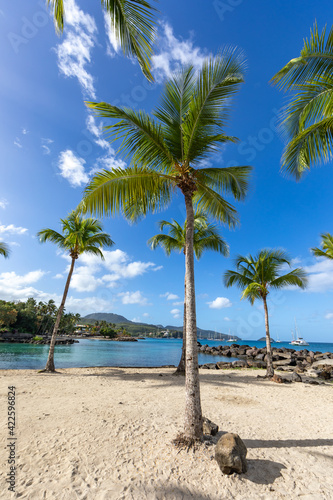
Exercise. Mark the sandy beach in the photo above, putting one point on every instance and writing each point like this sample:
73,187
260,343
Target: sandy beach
105,434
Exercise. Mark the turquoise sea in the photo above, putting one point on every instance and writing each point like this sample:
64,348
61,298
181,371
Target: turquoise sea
148,352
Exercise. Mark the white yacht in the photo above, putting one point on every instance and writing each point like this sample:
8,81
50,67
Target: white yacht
298,340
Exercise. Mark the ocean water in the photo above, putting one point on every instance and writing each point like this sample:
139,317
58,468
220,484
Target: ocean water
148,352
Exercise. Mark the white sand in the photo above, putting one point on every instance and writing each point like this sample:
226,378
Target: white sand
105,433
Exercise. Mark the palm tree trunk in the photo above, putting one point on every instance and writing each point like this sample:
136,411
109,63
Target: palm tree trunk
50,360
193,416
181,368
270,370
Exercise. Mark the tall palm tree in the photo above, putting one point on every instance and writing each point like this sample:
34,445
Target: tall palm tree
78,236
255,275
132,23
308,118
4,249
166,151
327,247
205,237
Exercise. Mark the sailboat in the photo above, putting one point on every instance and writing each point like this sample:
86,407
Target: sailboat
277,338
231,339
299,340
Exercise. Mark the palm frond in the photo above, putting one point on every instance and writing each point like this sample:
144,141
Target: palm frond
327,247
134,191
211,203
4,249
316,60
57,7
218,79
142,137
133,25
311,146
296,277
232,179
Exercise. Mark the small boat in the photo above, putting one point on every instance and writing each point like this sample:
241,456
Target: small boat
299,340
278,338
232,339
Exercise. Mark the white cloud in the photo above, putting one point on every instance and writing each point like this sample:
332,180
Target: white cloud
17,142
16,287
115,267
133,298
74,53
3,203
180,303
58,276
226,318
146,315
329,316
170,296
219,303
25,131
320,276
174,53
175,313
72,168
11,229
46,149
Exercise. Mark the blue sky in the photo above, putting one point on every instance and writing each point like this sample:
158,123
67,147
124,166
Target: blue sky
51,146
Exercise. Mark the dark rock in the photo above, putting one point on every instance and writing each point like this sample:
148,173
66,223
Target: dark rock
239,364
223,365
295,377
209,366
209,427
230,454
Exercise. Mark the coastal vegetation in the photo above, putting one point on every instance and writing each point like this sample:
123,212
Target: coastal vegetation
34,317
205,237
166,152
132,24
256,274
307,120
79,235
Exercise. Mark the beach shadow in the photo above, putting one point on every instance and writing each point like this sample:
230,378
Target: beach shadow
173,492
263,471
287,443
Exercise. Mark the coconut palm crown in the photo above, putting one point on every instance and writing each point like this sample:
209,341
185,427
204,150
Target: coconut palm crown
166,151
255,275
327,247
131,21
79,235
307,120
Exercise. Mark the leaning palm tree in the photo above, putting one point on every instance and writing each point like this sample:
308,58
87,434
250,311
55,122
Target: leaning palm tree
327,247
308,118
78,236
255,275
4,249
166,151
205,237
131,22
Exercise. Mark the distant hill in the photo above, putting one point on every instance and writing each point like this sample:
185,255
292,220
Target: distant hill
144,328
108,317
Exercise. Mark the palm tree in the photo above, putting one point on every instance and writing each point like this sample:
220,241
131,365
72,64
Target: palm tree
255,275
166,151
4,250
308,118
327,247
132,23
78,236
205,237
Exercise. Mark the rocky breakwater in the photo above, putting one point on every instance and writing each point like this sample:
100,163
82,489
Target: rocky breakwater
28,338
301,364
